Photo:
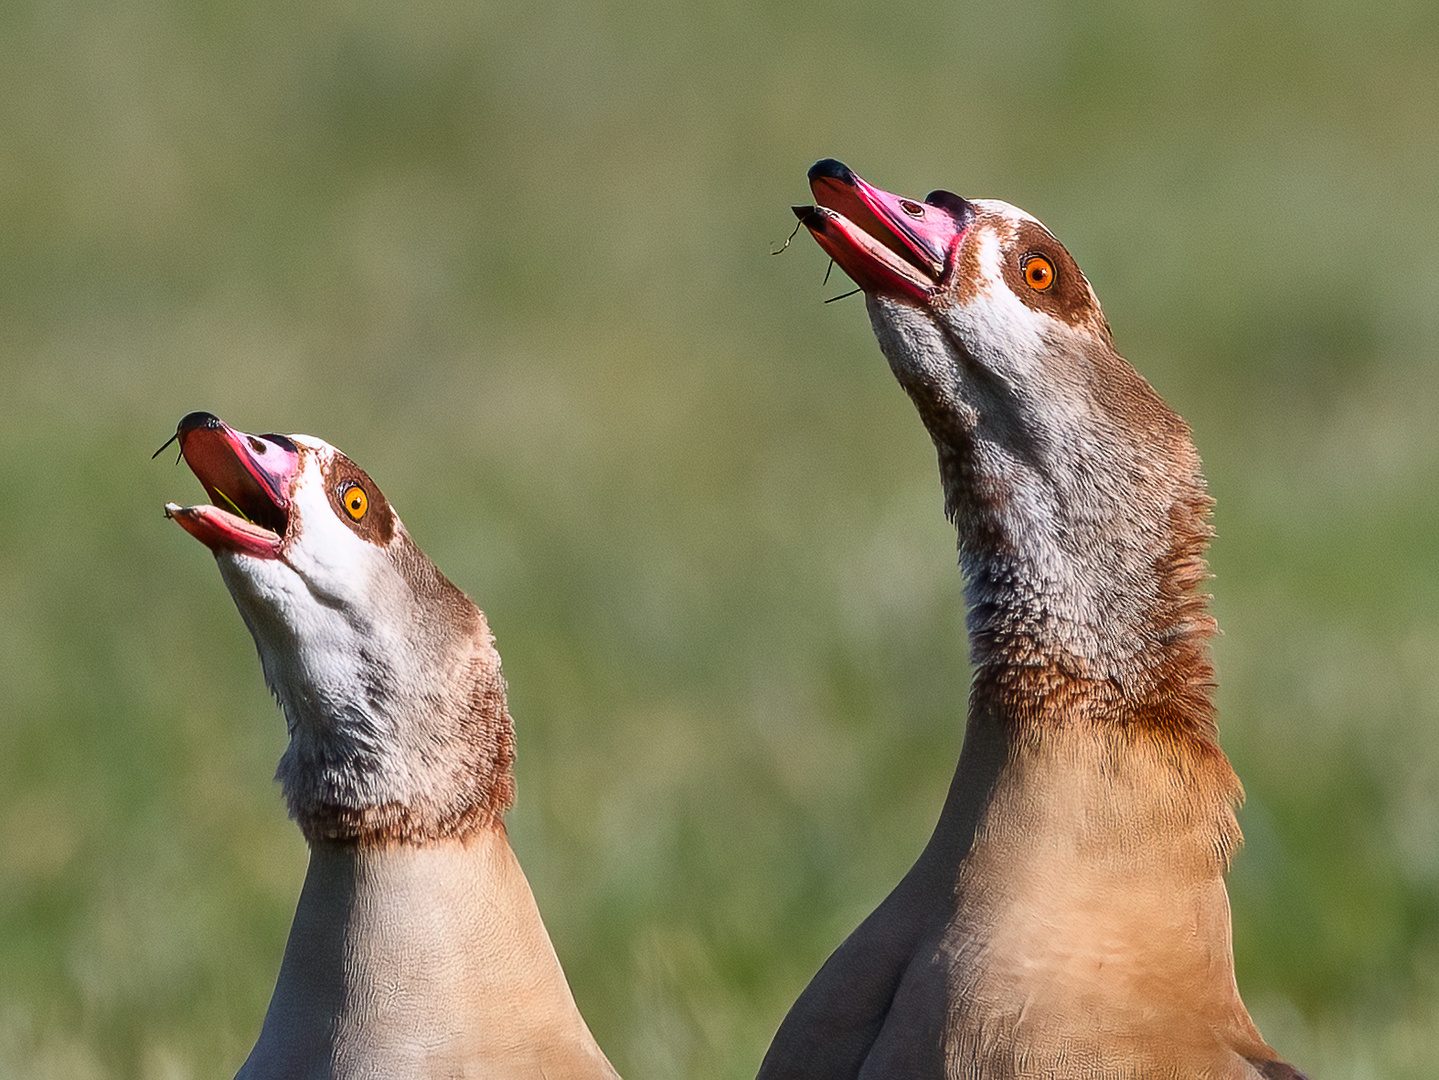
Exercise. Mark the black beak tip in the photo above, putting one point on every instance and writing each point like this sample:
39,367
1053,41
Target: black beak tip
197,421
830,169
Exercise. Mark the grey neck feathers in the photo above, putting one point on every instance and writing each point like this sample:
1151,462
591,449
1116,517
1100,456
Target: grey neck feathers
1082,520
395,703
372,784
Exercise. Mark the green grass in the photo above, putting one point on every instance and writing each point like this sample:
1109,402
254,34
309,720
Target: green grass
514,259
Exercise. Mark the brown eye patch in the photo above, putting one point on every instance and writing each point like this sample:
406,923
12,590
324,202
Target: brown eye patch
1041,273
358,502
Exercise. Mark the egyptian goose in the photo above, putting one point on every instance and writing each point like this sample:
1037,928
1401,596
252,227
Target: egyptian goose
1068,918
417,949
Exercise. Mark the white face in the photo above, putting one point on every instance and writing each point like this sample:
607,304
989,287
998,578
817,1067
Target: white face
321,607
988,305
386,672
979,309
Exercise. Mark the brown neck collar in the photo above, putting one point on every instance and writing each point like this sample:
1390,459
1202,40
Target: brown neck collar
474,794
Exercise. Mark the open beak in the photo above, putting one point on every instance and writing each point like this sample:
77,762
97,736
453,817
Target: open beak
248,478
889,245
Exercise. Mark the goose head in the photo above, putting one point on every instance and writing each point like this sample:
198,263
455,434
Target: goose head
386,672
1075,489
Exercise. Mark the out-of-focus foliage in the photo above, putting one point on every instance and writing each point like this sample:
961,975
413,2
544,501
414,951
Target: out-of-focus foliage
515,259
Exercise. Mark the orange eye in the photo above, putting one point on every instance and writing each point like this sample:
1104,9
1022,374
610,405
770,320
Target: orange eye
1038,272
356,502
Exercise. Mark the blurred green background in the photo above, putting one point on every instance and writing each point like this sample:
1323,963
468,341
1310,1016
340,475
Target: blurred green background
515,260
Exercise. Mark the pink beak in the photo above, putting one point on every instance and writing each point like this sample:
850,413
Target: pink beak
890,245
248,477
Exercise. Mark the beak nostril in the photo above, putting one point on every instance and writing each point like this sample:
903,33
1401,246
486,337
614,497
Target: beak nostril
913,209
257,445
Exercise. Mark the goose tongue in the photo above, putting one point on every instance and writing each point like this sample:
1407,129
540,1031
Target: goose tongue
248,477
888,244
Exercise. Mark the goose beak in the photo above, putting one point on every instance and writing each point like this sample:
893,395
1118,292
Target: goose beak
249,480
890,245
